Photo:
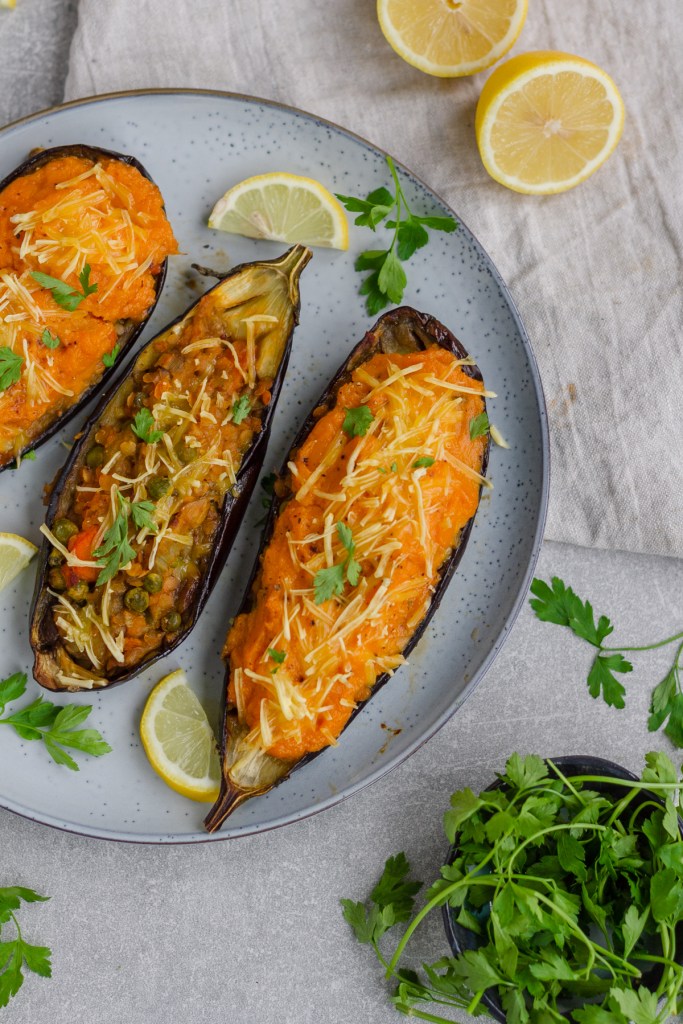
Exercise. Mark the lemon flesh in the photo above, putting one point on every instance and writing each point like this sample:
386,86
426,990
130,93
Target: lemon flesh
282,208
15,554
179,741
451,38
546,121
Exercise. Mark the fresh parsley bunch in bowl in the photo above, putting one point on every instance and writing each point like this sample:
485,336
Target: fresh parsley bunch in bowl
562,898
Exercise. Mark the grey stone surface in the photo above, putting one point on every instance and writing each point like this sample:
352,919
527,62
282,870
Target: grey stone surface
250,931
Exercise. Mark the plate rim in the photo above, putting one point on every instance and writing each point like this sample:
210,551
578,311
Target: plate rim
192,838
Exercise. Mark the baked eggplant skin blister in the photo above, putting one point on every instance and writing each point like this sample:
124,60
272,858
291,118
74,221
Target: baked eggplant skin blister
146,509
84,241
371,515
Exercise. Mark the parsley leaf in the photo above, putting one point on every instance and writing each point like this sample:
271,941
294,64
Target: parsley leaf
559,604
10,367
115,552
357,421
330,581
277,656
241,409
602,681
387,280
54,725
143,425
65,295
48,339
109,358
392,901
17,954
479,426
424,460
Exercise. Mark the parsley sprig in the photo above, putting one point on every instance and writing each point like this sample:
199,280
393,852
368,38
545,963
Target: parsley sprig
16,954
571,892
49,339
556,602
241,409
10,367
387,278
357,420
331,581
143,427
115,552
65,295
109,358
56,726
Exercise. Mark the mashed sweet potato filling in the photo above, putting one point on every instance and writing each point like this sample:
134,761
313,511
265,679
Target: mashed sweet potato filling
71,214
394,500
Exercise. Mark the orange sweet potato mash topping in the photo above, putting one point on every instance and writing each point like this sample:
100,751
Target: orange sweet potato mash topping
373,517
70,214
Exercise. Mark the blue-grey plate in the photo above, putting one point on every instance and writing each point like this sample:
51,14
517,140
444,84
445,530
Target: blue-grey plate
196,145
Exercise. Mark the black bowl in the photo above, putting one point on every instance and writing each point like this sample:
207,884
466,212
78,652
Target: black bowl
461,939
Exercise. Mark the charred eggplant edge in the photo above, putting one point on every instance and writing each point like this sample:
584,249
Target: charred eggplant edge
423,329
231,514
131,333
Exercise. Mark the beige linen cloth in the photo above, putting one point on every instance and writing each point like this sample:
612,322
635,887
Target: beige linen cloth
596,272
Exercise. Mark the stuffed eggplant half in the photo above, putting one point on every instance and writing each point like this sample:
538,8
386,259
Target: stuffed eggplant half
146,509
370,518
83,246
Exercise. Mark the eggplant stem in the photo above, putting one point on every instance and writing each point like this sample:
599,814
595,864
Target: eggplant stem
228,800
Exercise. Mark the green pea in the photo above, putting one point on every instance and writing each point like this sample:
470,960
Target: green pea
78,592
187,454
153,583
136,600
56,581
171,622
95,456
63,529
158,486
55,558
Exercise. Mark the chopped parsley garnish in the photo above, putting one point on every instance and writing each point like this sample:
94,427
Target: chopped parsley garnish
394,467
143,427
48,339
278,656
357,421
331,580
387,279
10,367
479,426
241,409
109,358
65,295
115,552
557,603
424,460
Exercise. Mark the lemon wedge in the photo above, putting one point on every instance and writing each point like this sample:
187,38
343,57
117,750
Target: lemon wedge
451,38
15,554
179,741
283,208
546,121
9,4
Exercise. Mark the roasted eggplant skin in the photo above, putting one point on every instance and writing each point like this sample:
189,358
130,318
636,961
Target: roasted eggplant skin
132,331
44,635
401,330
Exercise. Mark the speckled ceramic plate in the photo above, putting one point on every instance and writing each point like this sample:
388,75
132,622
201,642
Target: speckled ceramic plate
195,145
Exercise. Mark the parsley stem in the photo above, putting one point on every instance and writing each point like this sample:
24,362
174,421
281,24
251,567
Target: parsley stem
411,1011
649,647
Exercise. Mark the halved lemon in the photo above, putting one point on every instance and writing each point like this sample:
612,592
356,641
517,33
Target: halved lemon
9,4
546,121
451,38
283,208
15,554
179,741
